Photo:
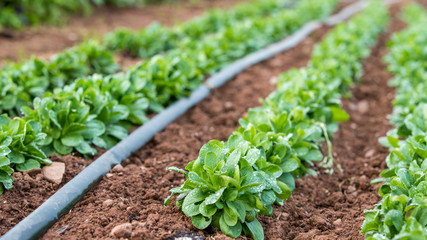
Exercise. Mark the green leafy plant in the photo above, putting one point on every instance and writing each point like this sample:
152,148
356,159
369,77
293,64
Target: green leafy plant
18,148
156,38
66,120
36,77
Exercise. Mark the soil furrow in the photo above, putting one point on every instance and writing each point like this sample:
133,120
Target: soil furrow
331,206
135,193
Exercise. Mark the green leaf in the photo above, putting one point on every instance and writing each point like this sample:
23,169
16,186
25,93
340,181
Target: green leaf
313,155
4,161
117,131
230,217
72,140
215,197
339,115
200,221
85,148
207,210
252,156
189,206
239,208
6,180
289,165
94,129
394,218
61,148
28,165
406,177
4,150
255,229
211,160
232,161
231,231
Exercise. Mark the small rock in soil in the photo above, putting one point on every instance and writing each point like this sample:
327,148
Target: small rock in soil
351,189
370,153
363,107
107,203
118,168
337,222
122,231
54,172
228,105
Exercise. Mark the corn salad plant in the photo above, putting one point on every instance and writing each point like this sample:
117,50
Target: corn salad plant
19,149
157,38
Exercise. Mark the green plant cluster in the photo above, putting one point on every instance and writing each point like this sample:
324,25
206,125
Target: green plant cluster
99,110
402,212
157,38
22,82
232,182
18,148
16,14
166,78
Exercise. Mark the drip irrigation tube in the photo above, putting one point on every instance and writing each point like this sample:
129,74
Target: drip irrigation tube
49,212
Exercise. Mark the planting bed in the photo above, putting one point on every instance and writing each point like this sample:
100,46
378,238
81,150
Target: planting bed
232,182
23,199
138,190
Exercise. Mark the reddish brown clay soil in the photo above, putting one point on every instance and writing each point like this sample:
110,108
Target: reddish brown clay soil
136,192
31,189
45,41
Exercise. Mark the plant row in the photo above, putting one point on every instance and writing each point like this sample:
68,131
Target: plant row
99,110
232,182
16,14
402,212
157,38
22,82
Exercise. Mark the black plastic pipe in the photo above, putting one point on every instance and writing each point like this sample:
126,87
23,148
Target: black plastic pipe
49,212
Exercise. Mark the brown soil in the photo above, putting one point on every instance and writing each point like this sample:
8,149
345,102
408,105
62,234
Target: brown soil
137,191
45,41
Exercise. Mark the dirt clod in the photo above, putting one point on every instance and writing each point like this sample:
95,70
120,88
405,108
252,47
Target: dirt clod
122,231
363,107
108,203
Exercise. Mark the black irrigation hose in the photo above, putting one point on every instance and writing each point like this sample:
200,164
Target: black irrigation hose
49,212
